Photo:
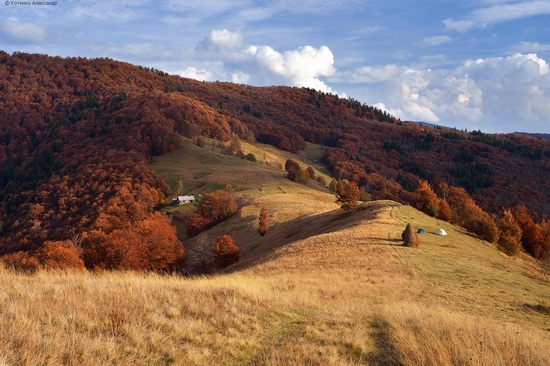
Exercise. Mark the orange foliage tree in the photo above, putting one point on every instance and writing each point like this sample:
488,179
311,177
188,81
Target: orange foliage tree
510,234
226,252
214,208
425,198
533,238
444,211
263,224
59,255
466,213
348,196
150,244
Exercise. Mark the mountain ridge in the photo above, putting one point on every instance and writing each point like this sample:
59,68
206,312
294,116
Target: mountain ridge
77,136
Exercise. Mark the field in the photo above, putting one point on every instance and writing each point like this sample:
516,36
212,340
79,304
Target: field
323,287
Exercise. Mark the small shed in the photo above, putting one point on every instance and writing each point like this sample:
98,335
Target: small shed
181,200
421,231
440,232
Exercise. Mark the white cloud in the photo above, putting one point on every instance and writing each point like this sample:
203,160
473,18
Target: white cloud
367,74
501,94
108,11
240,77
435,41
300,67
193,73
498,12
510,11
226,39
531,47
458,25
15,30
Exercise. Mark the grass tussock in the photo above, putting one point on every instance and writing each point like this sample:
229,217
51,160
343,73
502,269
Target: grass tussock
419,335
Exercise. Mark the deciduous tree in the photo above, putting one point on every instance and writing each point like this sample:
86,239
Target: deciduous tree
425,198
226,252
348,196
263,224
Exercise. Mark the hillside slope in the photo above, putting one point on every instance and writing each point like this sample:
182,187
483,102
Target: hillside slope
76,136
347,295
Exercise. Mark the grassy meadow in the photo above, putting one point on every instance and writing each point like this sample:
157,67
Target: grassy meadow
323,287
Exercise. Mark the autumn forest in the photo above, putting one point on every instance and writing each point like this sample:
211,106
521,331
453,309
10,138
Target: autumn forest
77,136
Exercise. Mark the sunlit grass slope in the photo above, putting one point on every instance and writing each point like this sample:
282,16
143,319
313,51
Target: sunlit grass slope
347,295
323,287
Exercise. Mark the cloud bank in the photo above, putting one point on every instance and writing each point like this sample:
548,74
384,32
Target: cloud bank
513,91
261,64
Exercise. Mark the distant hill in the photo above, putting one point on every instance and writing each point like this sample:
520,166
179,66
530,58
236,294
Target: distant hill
77,136
544,136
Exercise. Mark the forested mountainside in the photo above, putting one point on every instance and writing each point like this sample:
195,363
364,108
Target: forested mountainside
76,136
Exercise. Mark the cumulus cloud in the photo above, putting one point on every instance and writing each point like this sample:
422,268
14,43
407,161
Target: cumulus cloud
300,67
500,94
261,64
225,39
15,30
193,73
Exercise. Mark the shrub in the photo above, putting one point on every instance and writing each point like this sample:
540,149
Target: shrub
226,252
292,169
321,180
59,255
251,157
410,237
20,262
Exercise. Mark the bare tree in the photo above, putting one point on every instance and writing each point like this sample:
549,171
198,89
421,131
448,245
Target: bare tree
201,253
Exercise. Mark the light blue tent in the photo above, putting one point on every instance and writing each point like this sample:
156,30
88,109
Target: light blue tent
421,231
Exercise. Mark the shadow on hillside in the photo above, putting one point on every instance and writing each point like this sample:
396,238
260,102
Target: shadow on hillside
304,227
385,350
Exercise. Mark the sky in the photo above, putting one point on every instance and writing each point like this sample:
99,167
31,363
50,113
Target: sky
467,64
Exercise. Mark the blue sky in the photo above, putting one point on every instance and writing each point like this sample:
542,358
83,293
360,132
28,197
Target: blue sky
466,64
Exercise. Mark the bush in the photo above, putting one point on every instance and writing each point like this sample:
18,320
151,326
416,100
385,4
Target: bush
410,237
251,157
59,255
226,252
20,262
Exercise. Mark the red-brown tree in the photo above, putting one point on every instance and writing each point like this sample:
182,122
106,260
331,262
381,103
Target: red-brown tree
226,252
263,223
348,196
425,198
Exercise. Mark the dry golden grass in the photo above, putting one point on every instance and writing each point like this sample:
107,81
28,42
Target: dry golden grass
415,334
341,291
323,287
